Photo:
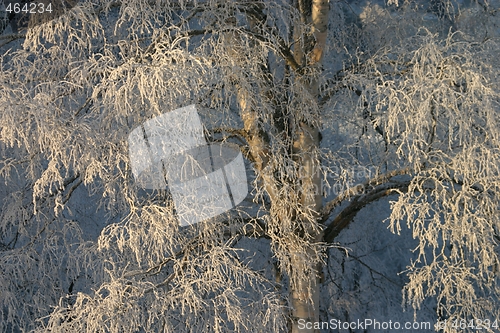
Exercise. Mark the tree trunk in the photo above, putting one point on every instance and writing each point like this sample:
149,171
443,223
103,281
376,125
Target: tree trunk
304,295
304,250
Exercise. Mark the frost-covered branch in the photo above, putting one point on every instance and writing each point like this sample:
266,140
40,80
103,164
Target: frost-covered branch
264,74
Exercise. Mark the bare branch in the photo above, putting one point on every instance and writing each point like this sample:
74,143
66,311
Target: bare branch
343,219
353,191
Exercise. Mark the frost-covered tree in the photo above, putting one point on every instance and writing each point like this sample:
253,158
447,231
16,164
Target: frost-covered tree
334,106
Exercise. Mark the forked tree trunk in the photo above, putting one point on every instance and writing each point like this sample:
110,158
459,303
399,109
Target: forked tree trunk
304,288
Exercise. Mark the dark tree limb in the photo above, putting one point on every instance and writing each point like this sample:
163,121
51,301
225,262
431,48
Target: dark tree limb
345,217
353,191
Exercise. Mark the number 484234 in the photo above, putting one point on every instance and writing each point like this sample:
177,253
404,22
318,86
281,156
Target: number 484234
29,8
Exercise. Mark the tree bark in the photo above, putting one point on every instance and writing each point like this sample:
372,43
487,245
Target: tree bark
304,294
308,52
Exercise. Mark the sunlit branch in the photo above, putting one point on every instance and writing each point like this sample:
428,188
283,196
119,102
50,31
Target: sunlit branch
66,182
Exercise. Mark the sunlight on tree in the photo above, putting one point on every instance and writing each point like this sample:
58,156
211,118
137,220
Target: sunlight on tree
335,106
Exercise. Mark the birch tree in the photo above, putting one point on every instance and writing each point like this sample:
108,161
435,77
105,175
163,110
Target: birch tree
309,90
